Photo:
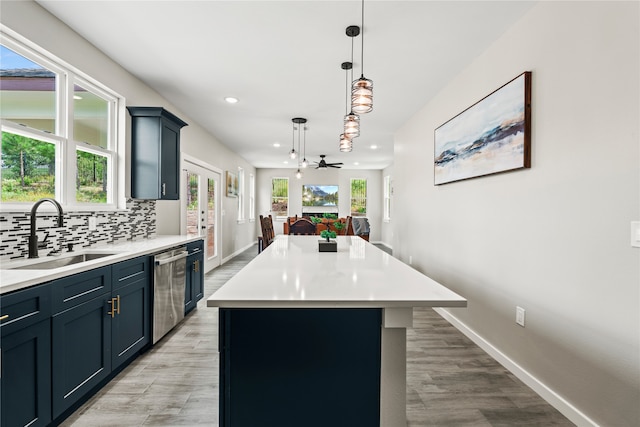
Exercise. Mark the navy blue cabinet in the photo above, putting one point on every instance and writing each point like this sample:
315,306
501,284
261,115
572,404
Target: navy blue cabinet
155,153
194,288
130,315
101,320
25,374
81,335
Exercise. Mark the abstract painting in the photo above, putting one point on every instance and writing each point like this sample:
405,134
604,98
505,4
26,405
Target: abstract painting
491,136
232,184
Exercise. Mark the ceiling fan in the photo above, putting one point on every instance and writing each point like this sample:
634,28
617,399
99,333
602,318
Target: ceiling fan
324,165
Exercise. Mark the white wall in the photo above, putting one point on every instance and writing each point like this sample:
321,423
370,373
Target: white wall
340,177
553,239
37,25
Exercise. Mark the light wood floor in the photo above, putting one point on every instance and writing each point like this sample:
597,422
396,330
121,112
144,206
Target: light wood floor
450,380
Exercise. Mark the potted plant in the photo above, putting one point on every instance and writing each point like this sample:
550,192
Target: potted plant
327,245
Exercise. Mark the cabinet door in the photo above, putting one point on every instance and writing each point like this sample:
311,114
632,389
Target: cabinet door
189,302
25,376
130,330
197,278
170,161
81,351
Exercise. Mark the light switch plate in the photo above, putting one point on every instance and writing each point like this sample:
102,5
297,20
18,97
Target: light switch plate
635,234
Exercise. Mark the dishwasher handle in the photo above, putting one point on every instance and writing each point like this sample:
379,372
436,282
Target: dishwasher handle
180,255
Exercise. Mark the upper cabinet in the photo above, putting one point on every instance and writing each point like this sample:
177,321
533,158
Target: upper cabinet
155,153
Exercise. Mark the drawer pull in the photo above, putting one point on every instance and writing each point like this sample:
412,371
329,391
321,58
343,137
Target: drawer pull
112,312
5,317
118,302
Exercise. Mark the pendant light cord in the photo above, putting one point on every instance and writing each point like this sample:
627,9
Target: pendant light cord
362,40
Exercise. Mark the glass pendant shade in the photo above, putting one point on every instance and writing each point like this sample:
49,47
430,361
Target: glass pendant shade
346,145
351,126
304,163
292,154
298,174
362,96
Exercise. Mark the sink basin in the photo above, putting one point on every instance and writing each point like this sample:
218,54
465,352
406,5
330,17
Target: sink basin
62,261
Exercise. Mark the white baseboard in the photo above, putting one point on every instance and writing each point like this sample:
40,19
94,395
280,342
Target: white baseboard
238,252
554,399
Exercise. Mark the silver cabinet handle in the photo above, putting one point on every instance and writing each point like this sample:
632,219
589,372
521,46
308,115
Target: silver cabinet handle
181,255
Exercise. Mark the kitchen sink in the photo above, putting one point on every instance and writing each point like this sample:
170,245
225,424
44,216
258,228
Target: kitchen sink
62,261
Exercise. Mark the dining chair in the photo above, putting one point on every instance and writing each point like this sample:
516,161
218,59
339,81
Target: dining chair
268,234
302,227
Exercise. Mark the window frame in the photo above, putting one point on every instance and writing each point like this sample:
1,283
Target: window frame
366,201
241,192
386,199
66,146
252,197
286,178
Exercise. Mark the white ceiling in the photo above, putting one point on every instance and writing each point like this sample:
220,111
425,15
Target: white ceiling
282,59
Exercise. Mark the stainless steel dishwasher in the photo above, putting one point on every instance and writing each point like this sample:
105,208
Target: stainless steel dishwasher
168,290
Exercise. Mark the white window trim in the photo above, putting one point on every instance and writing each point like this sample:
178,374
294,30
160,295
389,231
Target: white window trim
280,217
386,199
252,197
366,199
67,76
241,192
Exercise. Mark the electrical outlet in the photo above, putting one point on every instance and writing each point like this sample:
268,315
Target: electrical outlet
93,223
520,316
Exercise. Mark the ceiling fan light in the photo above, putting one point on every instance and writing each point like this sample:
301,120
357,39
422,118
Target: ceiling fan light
362,95
351,125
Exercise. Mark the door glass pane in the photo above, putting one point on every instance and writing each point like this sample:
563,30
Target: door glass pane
28,168
91,177
90,118
280,197
211,217
193,228
27,92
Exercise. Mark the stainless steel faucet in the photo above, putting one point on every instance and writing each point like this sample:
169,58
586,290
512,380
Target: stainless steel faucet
33,238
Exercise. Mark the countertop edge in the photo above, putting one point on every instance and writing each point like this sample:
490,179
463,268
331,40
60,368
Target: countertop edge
336,304
15,280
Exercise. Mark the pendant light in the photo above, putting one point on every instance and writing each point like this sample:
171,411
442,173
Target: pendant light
351,120
346,145
292,153
362,89
300,121
304,163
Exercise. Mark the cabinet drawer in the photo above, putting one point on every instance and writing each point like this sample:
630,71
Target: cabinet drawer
129,271
24,308
195,247
71,291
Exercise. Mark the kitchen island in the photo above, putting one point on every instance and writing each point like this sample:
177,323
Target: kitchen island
318,339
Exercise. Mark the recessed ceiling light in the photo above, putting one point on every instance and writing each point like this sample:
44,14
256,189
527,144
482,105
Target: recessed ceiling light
231,99
276,144
286,162
356,163
374,147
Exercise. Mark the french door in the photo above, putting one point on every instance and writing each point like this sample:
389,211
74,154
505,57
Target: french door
200,199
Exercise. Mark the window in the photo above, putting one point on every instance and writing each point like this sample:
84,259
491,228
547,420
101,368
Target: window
252,197
358,197
58,132
280,197
386,216
240,194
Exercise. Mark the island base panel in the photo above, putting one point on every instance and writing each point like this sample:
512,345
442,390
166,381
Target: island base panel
300,367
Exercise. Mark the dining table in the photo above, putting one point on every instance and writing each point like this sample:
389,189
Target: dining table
310,338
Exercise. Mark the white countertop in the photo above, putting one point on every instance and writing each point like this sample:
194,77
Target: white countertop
292,273
12,280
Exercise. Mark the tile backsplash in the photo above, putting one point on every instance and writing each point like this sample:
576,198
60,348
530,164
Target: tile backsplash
137,222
